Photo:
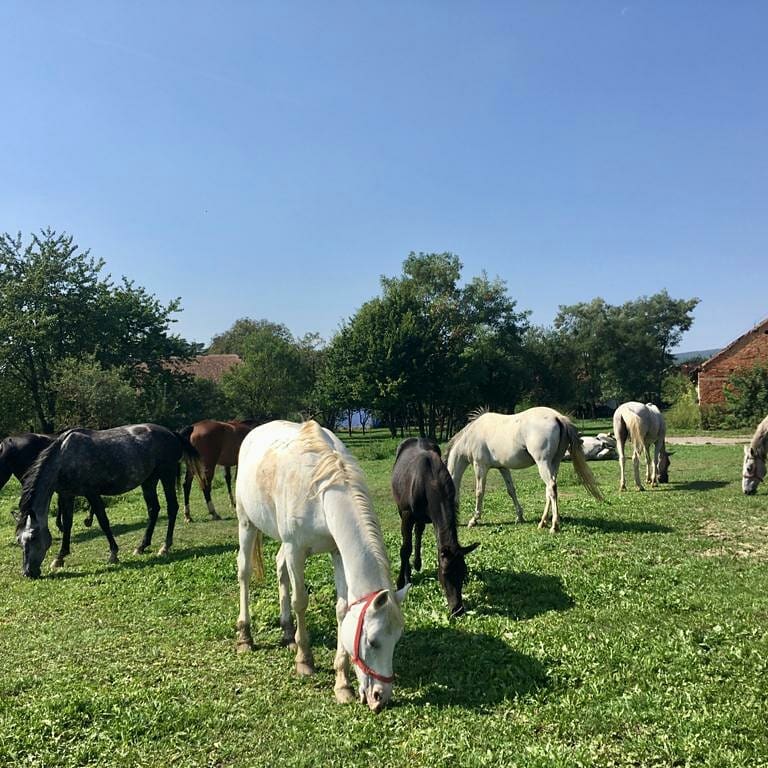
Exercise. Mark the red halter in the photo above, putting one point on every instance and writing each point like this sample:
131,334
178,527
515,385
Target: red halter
356,660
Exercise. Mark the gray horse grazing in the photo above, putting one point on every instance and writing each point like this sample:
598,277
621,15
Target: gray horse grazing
753,470
645,426
537,436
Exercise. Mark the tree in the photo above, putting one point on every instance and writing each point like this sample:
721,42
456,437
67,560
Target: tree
746,397
275,378
236,339
55,304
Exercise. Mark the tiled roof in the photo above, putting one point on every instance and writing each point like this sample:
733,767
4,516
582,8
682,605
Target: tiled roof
211,367
727,350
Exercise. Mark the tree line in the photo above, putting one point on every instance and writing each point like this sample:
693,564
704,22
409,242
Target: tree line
77,348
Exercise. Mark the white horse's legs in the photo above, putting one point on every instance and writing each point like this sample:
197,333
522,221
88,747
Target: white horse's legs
481,471
247,535
283,590
650,469
342,688
549,476
655,473
294,563
507,475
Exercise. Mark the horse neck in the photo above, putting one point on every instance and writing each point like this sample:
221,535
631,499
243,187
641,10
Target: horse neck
760,438
444,522
361,547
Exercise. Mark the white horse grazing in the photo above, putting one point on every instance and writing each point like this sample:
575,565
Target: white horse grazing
537,436
753,471
298,484
645,425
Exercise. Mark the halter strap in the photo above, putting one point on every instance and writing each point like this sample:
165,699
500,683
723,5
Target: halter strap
366,600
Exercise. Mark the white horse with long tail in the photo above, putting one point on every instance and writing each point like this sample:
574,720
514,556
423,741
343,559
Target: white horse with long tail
298,484
753,469
645,425
537,436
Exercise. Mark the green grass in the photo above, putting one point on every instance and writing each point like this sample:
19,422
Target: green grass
637,636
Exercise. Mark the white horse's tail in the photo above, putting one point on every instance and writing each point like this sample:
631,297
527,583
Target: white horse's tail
634,426
258,555
579,461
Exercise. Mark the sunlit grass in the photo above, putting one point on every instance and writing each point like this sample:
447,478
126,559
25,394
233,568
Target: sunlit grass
637,636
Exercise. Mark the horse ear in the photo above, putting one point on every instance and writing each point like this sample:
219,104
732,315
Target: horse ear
470,548
380,600
401,593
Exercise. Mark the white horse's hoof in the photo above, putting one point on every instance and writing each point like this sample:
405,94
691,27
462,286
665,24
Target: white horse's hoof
304,669
472,522
345,695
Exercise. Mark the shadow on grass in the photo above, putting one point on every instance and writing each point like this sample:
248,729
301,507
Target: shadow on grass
699,485
452,667
608,525
519,595
95,532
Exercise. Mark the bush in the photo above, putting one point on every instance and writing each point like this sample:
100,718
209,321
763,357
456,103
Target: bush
746,397
685,413
713,416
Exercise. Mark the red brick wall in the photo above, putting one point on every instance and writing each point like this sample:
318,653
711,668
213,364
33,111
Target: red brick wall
746,353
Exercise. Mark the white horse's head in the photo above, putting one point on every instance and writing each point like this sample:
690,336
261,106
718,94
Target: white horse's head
369,632
753,470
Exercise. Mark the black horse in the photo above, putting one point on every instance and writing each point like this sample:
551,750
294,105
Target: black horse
92,463
424,493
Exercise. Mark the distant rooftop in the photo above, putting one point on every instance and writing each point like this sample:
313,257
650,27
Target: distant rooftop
210,367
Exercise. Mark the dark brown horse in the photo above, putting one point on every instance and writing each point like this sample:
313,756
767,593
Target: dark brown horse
424,493
218,443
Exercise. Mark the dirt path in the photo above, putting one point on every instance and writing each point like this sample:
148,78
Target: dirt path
707,440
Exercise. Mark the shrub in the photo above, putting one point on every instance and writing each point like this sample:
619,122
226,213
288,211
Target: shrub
746,397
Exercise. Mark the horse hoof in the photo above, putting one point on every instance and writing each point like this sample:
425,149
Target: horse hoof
187,518
472,523
215,516
112,559
640,488
345,695
304,669
57,563
162,551
88,522
139,550
243,646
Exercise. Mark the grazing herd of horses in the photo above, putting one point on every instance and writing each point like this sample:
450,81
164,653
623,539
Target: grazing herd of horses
298,484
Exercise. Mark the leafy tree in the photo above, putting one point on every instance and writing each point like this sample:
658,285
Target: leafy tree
746,397
235,341
89,395
55,304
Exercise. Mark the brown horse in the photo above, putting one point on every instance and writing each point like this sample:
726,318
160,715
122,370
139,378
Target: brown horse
217,442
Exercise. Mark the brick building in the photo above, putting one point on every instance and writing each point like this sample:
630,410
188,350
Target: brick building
745,352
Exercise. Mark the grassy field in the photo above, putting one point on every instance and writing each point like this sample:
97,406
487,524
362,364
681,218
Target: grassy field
637,636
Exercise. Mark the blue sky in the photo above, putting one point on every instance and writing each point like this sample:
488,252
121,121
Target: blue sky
273,159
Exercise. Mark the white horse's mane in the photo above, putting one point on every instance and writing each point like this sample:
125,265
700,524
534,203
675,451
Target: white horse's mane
337,468
759,441
472,416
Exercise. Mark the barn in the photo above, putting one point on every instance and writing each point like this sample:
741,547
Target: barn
745,352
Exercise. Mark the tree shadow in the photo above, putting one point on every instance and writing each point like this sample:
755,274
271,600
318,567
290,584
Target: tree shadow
452,667
699,485
608,525
519,595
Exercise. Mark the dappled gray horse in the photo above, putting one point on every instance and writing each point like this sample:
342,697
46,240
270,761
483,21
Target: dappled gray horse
645,426
92,463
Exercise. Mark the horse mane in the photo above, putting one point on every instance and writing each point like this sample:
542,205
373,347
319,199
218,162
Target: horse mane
472,416
39,481
337,468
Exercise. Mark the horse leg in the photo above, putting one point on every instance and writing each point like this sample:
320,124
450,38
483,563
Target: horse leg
507,475
636,466
88,522
187,489
228,479
481,472
549,475
417,552
655,466
209,473
171,507
247,536
98,508
149,490
284,592
406,531
341,688
650,471
620,430
66,510
294,561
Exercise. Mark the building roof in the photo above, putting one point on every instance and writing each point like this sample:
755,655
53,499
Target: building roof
210,367
762,326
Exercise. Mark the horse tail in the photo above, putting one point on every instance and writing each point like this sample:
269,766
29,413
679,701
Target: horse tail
186,432
191,457
578,459
258,555
39,482
632,420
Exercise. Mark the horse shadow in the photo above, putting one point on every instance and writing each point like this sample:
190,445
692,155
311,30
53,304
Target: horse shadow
152,560
700,485
95,532
448,666
519,595
612,525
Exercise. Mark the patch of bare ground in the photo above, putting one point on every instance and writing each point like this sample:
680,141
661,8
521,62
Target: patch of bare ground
744,539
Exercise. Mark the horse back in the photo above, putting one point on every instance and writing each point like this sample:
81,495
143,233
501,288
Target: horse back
421,482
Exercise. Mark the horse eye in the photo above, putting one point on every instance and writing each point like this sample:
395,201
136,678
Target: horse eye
373,644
